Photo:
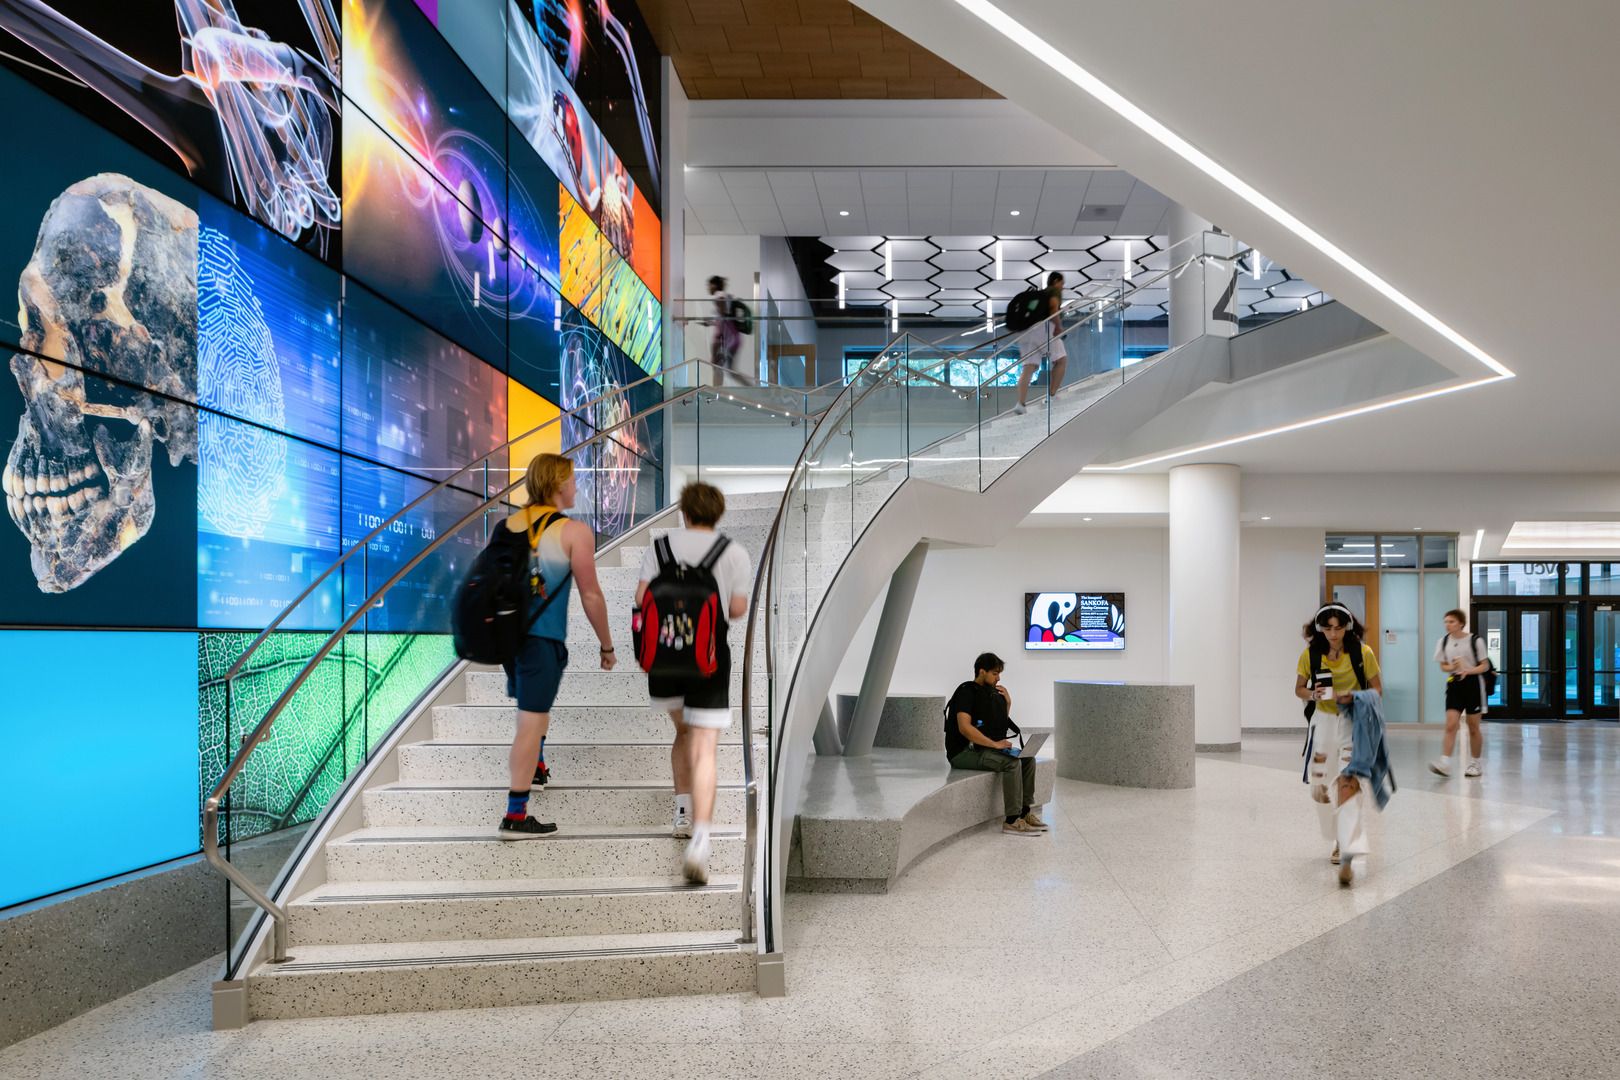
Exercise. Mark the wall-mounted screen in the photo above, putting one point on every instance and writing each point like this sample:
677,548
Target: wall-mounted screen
1074,620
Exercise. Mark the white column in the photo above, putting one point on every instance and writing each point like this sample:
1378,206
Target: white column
1204,507
1203,297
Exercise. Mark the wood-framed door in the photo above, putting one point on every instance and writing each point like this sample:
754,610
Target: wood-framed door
1358,591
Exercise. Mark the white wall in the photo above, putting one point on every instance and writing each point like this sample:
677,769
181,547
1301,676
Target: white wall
1281,580
971,600
779,280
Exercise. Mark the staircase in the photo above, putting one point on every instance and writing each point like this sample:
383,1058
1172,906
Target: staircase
421,906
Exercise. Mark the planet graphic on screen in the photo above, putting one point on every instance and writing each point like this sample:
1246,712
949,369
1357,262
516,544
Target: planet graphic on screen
470,210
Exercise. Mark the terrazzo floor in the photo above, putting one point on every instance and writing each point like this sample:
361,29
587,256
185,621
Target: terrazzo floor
1152,934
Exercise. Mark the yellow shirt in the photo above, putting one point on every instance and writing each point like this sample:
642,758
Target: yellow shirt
1344,675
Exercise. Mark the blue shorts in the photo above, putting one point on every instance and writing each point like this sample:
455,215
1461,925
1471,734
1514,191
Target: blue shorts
534,676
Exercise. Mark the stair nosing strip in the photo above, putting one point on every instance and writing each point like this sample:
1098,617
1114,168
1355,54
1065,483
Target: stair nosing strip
546,787
503,894
313,967
553,837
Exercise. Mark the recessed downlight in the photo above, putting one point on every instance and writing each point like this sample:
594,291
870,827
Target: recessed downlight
843,213
1015,213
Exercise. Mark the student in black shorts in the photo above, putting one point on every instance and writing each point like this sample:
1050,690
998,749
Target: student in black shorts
701,709
1463,659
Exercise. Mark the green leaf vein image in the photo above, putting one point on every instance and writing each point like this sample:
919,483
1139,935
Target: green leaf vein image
336,719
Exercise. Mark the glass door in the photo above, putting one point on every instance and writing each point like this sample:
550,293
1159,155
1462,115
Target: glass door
1538,676
1491,624
1605,659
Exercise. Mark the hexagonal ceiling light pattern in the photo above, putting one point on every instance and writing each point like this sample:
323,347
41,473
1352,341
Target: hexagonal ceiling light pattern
954,277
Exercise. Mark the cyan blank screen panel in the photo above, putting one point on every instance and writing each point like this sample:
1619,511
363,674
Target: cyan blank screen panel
83,707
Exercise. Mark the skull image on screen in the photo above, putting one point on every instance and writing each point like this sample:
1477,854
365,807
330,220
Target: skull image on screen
111,287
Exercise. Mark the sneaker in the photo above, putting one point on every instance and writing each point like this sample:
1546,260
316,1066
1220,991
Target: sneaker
1019,827
1440,767
1334,858
683,823
527,829
1473,769
1019,410
695,863
1346,874
1033,820
542,774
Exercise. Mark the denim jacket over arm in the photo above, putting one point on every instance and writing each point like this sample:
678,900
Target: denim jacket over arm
1369,757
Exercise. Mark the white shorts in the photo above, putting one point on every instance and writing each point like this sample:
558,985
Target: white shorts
1034,358
712,719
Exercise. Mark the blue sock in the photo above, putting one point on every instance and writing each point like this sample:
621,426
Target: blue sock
542,762
517,805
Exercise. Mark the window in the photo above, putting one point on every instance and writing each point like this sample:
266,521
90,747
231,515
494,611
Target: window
1439,552
1573,572
1398,552
1352,552
1517,579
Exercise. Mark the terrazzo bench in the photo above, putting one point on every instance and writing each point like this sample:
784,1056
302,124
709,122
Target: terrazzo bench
866,819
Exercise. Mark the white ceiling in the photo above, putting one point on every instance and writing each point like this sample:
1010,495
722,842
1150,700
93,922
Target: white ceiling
1411,134
920,202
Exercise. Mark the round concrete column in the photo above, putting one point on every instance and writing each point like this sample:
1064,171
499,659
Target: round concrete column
1204,506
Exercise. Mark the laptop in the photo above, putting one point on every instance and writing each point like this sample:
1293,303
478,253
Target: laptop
1032,746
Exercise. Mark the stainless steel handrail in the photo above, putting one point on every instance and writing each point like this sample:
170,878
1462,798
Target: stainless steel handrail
212,804
765,575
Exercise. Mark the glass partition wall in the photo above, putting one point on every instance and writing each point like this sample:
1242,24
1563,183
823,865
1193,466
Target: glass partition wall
1553,630
1400,586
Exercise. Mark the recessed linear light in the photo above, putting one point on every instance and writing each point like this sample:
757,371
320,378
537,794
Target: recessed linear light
1563,536
1085,519
1036,46
1479,541
1265,517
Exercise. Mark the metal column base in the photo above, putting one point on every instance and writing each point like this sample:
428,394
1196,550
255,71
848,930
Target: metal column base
770,975
230,1005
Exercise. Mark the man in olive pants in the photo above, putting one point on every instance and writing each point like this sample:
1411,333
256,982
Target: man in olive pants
976,725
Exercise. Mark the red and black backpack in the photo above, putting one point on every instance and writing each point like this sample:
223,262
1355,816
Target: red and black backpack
679,626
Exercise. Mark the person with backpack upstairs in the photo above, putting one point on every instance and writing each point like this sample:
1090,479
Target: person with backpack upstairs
562,557
1044,342
694,584
1462,657
726,339
1334,667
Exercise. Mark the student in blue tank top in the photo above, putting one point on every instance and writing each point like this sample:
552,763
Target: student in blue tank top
564,554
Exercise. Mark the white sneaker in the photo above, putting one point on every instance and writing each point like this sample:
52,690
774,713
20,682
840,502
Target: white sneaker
1440,766
1019,410
1473,769
695,864
683,823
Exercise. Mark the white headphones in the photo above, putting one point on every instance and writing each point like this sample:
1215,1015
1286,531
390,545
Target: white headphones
1335,608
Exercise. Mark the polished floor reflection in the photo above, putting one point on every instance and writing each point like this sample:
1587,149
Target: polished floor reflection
1194,933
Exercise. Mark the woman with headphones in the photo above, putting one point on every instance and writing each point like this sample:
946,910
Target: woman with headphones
1334,666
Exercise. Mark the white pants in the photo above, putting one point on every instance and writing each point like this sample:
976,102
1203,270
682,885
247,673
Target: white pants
1330,739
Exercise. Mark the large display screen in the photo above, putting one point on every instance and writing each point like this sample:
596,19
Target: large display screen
81,704
240,97
1074,620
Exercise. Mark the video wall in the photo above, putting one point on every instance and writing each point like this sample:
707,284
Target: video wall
280,269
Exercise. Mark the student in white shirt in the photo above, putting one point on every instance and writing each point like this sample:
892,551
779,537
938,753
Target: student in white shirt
1462,657
701,708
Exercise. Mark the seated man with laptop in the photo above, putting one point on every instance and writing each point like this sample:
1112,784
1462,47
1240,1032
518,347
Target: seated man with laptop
977,722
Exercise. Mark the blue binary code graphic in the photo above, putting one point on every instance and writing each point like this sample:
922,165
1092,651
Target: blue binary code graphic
243,466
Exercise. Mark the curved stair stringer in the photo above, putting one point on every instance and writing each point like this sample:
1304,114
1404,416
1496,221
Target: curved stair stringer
922,510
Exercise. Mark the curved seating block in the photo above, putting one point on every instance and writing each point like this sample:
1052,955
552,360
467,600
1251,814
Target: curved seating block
865,819
1126,734
908,721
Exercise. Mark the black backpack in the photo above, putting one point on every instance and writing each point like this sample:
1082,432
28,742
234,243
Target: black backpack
1026,309
1490,665
1355,665
491,617
680,624
742,316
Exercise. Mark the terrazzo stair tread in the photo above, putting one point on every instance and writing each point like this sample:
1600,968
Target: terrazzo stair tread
645,806
572,724
343,980
451,852
377,912
582,763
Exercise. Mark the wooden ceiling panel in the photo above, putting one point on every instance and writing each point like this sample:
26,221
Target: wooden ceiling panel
797,49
